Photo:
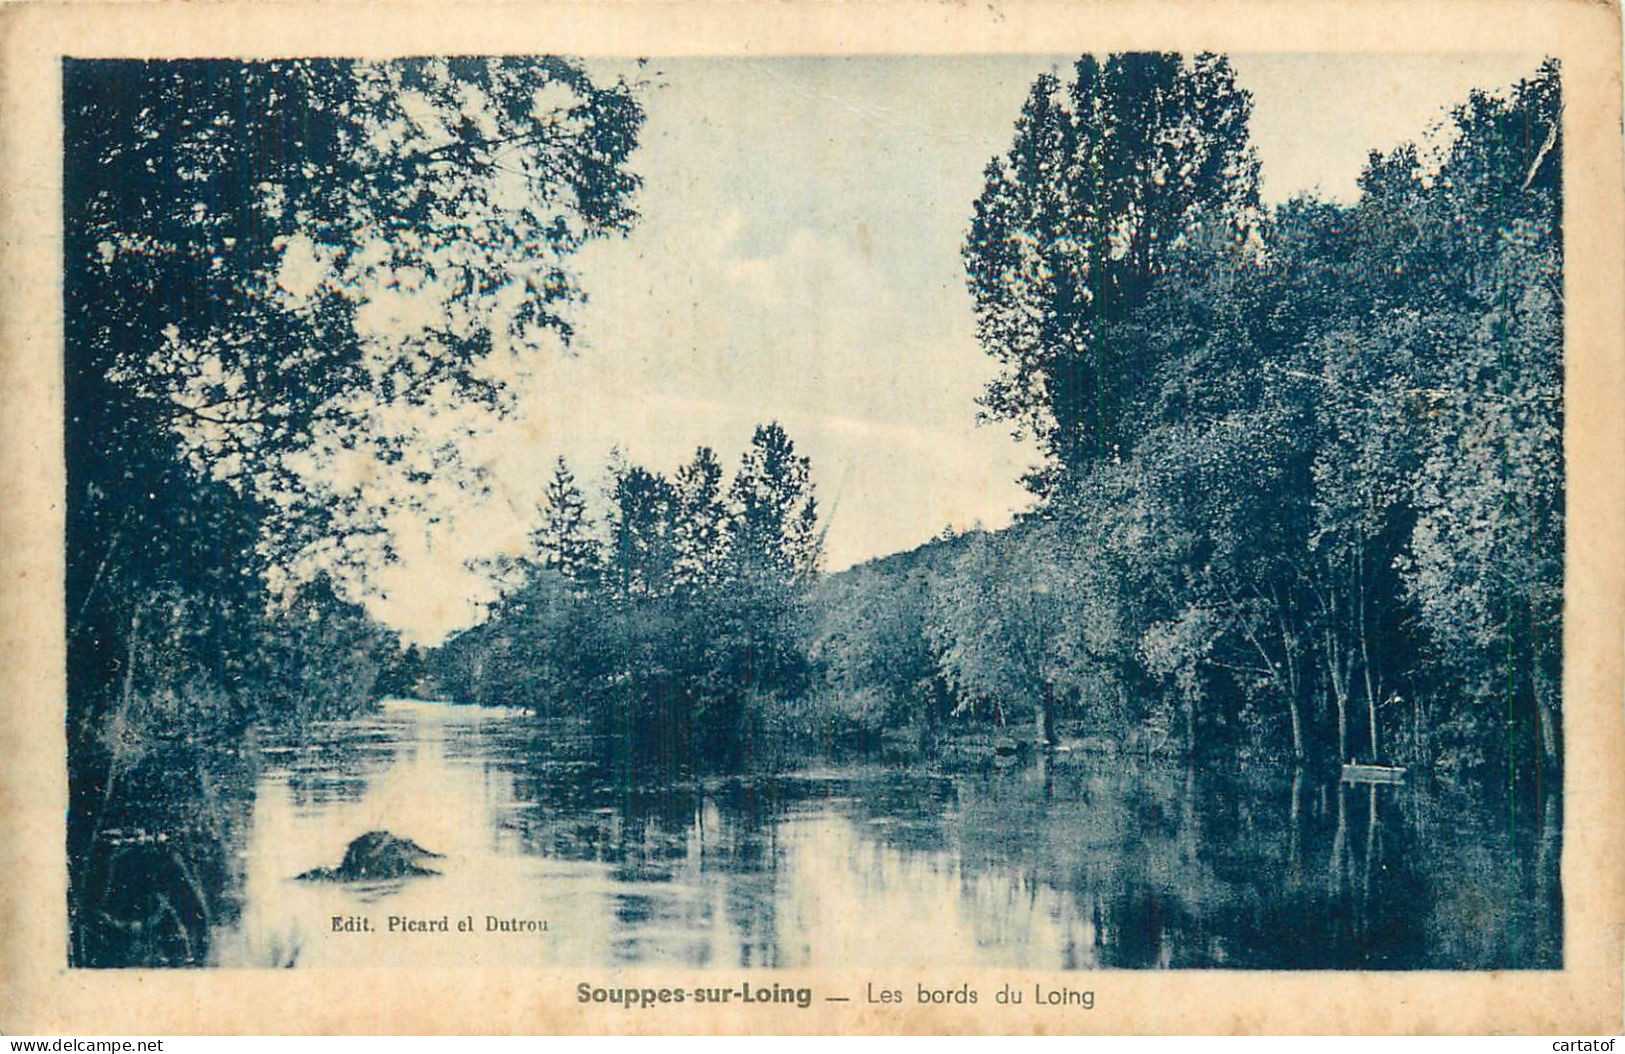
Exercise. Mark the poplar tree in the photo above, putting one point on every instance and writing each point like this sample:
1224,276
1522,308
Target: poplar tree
1105,176
564,542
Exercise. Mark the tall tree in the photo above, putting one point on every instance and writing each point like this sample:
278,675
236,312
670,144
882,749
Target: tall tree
641,557
564,542
772,530
1105,176
1485,563
281,268
700,529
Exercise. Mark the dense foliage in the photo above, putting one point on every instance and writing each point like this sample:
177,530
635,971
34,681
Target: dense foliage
1301,493
279,277
676,624
1312,504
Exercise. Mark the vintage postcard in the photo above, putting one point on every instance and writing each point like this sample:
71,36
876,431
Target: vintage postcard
872,517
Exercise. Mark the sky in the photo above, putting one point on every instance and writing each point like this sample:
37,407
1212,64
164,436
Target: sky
797,259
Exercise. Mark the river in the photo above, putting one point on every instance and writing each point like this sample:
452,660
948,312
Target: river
1075,861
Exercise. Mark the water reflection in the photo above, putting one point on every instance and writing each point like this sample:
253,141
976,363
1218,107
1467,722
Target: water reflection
164,870
1071,862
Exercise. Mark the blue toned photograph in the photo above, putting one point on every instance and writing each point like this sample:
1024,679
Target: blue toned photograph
1047,512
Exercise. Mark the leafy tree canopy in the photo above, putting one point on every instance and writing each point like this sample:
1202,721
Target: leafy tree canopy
279,267
1106,176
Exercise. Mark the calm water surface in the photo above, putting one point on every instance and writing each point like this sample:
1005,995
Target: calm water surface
1079,861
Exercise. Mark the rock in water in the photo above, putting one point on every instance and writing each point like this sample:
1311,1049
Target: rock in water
376,855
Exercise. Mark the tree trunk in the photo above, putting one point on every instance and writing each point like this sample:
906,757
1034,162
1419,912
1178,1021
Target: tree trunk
1339,695
1342,726
1371,690
1289,652
1045,714
1424,753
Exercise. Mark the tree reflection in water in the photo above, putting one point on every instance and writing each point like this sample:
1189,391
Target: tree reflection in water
1070,861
